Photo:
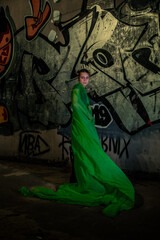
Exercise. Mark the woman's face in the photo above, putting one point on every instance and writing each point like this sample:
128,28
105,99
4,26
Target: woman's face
84,78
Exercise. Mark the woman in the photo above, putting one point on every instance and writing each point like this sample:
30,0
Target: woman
99,179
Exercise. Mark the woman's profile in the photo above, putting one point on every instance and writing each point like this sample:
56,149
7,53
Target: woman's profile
99,180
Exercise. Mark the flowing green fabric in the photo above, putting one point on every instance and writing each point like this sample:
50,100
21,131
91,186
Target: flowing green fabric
99,179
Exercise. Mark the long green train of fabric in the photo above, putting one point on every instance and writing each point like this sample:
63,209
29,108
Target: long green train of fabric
99,180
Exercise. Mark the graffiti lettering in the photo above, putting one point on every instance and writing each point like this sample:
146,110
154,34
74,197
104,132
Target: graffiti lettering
101,115
31,143
66,149
116,146
142,57
35,23
117,49
6,43
103,58
40,66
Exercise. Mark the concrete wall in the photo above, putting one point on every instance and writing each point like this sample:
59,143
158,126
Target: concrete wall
43,44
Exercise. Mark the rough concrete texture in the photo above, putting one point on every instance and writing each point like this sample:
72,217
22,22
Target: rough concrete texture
23,218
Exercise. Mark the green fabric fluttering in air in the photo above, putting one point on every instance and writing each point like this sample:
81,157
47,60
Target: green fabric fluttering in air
99,179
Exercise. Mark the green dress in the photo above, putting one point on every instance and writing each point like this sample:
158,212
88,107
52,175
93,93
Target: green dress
99,180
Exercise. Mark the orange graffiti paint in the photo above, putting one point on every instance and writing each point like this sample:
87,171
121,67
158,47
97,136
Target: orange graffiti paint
35,23
3,114
6,43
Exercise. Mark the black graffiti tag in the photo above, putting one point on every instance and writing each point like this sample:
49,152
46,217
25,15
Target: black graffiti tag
66,148
31,143
115,145
101,115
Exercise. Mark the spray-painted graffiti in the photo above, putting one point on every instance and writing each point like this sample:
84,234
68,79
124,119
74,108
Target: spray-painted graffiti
122,54
32,144
102,116
67,153
6,43
117,146
3,115
35,23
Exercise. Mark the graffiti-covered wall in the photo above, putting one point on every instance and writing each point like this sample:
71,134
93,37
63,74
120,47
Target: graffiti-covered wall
43,43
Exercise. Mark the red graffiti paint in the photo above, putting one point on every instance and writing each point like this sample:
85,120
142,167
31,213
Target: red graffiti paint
35,23
149,123
5,47
3,114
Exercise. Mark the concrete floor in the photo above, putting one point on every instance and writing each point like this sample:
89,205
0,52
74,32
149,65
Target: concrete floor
26,218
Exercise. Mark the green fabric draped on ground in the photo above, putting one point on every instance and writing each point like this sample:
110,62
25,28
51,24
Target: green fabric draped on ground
99,179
